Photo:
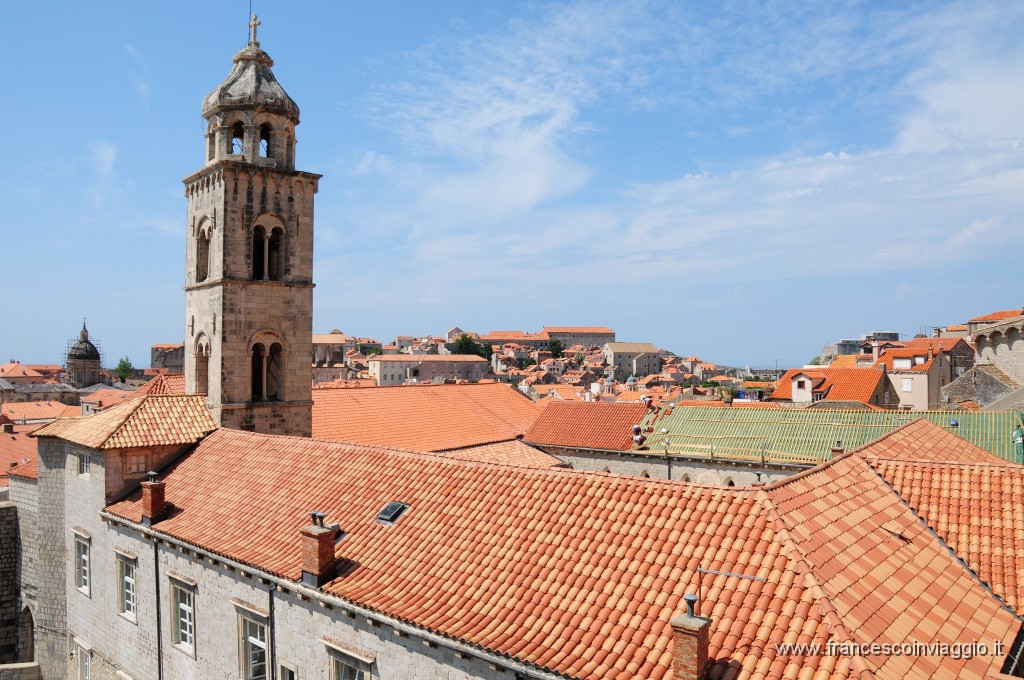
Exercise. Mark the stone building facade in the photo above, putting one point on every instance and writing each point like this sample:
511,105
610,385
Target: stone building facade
249,257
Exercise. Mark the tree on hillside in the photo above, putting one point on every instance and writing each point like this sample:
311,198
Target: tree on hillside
556,347
124,369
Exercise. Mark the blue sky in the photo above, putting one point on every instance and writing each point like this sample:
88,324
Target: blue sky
741,181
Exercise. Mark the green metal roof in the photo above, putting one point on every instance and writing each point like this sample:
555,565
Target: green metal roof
807,435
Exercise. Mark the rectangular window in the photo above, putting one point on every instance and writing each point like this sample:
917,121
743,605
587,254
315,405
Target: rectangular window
908,384
82,564
84,664
183,613
287,673
137,465
83,463
800,384
126,586
254,649
901,363
346,669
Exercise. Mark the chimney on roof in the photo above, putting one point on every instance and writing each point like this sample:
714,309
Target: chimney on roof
875,350
690,635
317,551
837,450
153,506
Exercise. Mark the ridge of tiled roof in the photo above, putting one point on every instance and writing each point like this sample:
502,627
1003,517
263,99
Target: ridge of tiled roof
587,425
153,420
513,453
885,575
164,383
975,508
922,439
423,417
936,344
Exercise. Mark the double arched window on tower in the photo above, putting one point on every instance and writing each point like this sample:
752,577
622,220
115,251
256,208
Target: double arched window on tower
267,253
267,371
202,359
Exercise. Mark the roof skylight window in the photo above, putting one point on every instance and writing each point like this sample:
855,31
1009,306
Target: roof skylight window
391,512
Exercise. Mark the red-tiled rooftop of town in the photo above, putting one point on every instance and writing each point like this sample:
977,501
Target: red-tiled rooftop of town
423,417
840,384
587,425
579,573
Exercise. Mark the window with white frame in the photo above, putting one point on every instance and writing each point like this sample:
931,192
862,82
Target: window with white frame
82,573
84,663
901,363
83,463
908,384
254,649
183,615
126,601
344,668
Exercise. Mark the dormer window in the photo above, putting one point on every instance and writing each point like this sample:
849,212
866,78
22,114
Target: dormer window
901,363
918,360
801,384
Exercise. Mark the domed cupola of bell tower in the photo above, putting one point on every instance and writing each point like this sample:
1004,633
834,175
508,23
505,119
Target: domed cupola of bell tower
251,118
249,256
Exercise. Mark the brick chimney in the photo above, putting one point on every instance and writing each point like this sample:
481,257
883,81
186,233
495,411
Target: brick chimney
317,551
153,506
690,635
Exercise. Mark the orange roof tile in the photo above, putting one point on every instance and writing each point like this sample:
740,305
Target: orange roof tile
587,425
880,575
29,470
845,361
579,573
165,383
485,556
976,510
17,370
936,344
838,384
16,448
514,453
911,353
105,397
922,439
423,417
153,420
21,411
998,316
577,329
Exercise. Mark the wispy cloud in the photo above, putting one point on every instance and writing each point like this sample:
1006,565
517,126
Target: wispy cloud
139,74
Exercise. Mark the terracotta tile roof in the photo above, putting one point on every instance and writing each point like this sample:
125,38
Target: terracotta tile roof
514,453
167,346
106,398
881,576
29,470
587,425
579,573
976,510
838,384
998,316
558,585
632,347
924,440
936,344
423,417
845,361
21,411
957,327
165,383
16,448
17,370
153,420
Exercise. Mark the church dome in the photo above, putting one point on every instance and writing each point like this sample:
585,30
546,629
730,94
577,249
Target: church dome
83,349
251,85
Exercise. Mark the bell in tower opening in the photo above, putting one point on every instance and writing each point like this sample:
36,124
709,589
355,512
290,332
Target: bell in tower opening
249,256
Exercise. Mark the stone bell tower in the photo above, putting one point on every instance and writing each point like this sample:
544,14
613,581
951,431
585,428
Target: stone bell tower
249,257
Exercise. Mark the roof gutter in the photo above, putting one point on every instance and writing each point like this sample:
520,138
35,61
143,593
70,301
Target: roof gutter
328,601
